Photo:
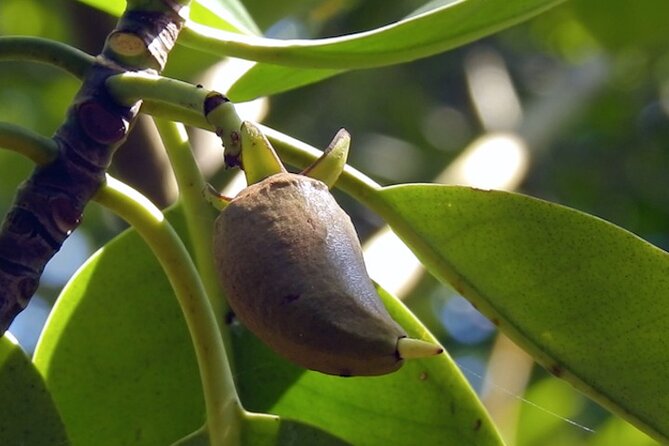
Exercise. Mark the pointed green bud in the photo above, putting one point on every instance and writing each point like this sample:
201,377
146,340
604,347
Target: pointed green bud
409,348
330,165
259,160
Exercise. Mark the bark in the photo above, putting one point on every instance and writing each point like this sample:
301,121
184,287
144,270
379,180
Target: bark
49,205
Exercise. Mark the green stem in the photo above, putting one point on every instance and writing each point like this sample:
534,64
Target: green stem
70,59
174,112
180,101
164,92
224,411
39,149
291,150
199,213
130,87
301,155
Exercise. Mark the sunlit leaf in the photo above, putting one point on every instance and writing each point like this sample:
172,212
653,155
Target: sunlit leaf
29,416
589,300
118,359
269,431
227,15
430,396
265,79
616,431
116,353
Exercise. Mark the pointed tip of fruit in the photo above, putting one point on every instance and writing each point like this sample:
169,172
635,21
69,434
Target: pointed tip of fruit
409,348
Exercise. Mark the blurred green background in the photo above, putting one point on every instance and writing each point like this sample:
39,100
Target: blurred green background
584,88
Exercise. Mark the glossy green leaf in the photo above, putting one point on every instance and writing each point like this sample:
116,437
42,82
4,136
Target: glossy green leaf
264,430
270,430
426,402
417,36
29,416
265,79
116,353
589,300
616,431
227,15
431,32
118,359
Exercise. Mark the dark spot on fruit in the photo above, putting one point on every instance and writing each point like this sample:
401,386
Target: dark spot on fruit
198,86
477,424
556,370
423,376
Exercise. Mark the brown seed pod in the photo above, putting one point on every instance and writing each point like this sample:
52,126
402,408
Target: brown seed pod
290,262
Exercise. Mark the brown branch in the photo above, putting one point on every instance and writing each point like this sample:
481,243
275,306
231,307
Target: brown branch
49,205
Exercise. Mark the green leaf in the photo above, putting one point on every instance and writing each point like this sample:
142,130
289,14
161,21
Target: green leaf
29,415
118,359
437,30
116,353
616,431
261,430
426,402
270,430
417,36
265,79
587,299
226,15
